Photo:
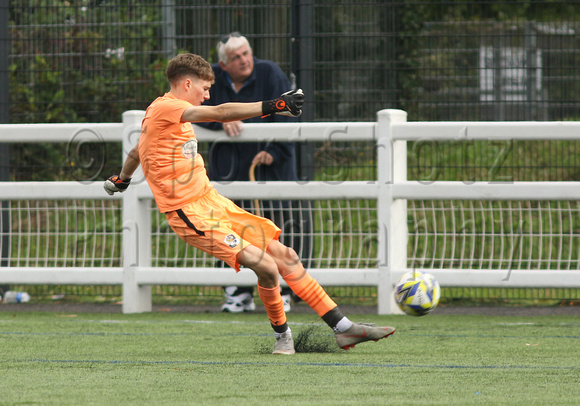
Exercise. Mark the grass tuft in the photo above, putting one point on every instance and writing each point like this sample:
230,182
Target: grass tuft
315,339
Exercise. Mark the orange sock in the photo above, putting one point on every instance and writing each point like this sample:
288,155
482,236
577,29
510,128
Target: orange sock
274,305
309,290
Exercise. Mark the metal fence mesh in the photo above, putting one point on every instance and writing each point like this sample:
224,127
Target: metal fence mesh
92,60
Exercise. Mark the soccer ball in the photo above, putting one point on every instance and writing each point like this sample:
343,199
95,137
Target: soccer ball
417,293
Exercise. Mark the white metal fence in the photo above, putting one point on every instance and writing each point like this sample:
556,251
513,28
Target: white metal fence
364,233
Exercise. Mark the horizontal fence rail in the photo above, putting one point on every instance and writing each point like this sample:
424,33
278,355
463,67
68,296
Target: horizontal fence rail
394,241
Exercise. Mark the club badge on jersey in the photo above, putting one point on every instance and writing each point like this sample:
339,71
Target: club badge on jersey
189,149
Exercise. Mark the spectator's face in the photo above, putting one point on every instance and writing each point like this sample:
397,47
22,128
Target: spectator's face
240,64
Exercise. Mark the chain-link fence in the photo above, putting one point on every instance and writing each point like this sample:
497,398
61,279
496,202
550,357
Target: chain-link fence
90,60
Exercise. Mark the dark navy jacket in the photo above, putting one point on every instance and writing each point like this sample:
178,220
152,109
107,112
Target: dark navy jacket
230,161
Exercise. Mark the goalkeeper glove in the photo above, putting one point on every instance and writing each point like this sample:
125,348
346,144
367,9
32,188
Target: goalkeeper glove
288,104
116,184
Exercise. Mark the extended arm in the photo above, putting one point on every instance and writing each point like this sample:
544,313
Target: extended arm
121,183
131,163
289,103
222,113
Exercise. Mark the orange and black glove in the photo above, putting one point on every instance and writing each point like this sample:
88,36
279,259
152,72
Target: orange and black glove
288,104
116,184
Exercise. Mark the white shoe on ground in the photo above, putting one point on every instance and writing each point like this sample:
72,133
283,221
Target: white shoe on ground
284,344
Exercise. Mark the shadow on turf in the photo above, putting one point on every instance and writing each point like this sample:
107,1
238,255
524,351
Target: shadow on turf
312,339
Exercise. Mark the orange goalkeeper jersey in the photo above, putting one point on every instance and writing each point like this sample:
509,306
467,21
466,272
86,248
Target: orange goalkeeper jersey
168,153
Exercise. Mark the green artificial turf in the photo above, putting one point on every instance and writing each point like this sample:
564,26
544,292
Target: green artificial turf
224,359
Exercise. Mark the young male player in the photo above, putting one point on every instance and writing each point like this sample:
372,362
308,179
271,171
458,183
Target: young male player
167,151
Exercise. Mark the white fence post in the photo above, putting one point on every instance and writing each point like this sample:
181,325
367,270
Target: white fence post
136,227
392,214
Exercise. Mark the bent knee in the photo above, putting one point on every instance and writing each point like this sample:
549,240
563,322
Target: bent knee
267,273
267,278
291,258
285,256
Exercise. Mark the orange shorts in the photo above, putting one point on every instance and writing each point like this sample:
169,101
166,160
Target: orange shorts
215,225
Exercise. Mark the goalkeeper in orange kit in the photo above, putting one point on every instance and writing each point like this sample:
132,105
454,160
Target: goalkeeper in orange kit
203,218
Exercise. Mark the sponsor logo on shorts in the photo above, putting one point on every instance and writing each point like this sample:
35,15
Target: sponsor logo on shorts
231,240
